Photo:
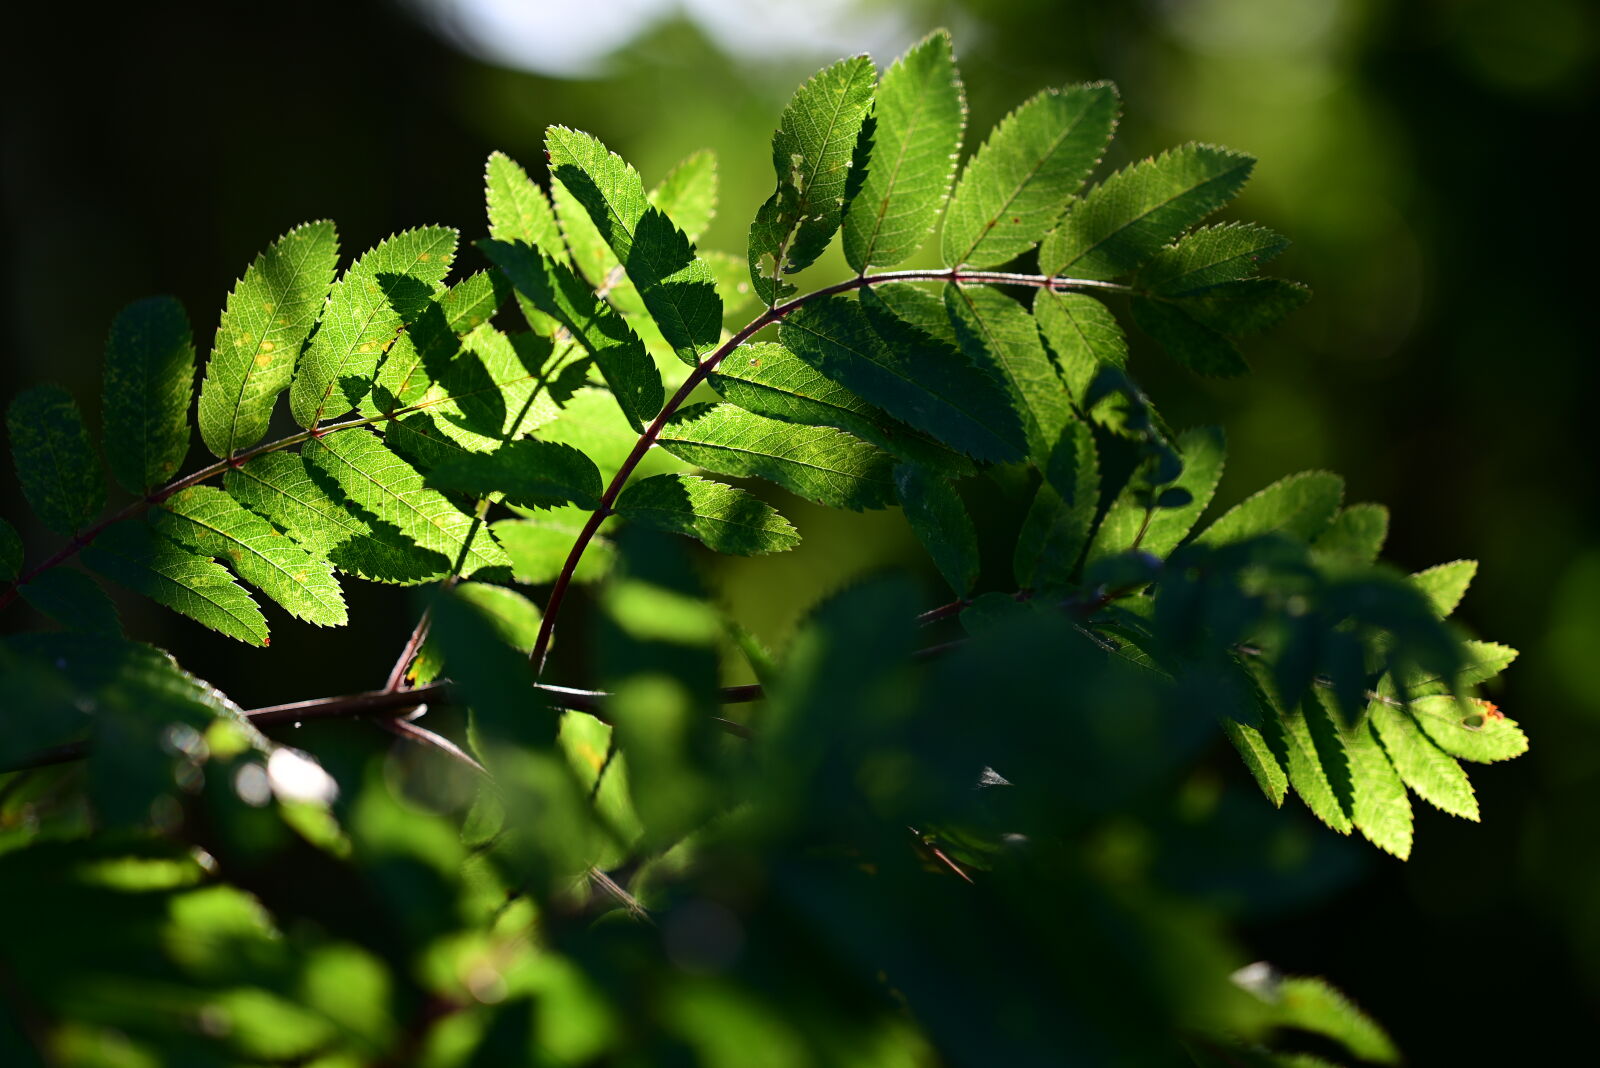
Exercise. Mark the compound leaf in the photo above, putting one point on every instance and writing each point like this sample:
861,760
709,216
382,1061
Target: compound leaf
134,555
388,286
916,126
1016,184
812,151
1125,220
819,463
381,483
149,382
259,337
688,194
725,519
56,464
678,290
209,521
941,523
919,381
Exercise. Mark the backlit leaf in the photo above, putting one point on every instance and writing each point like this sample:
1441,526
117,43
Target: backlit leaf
149,383
133,555
726,519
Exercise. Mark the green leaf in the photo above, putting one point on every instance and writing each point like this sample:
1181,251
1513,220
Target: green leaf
1193,344
1299,506
267,319
519,209
1247,306
539,545
1293,741
617,351
941,523
533,474
209,521
390,489
1445,584
1000,336
1125,220
679,290
280,487
917,380
425,353
1016,184
514,618
812,152
1481,733
688,194
1430,772
1084,335
818,463
388,286
1379,807
148,386
1485,660
919,306
72,599
1311,1004
1134,521
1209,257
1355,536
1259,758
1058,523
725,519
56,464
916,126
769,380
135,556
10,552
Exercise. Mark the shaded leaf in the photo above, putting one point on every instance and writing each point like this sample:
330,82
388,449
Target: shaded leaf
1258,757
1058,523
1355,536
1135,521
149,382
1208,257
533,474
726,519
72,599
893,365
539,545
259,337
999,335
917,121
209,521
1034,162
1084,335
819,463
1190,342
1299,506
812,151
941,523
133,555
56,464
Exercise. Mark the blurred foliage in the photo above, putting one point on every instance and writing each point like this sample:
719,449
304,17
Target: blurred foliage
133,165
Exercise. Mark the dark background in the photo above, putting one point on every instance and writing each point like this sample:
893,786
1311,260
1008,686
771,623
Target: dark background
1424,156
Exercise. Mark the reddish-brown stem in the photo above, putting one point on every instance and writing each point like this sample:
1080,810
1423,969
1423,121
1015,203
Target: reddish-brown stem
705,367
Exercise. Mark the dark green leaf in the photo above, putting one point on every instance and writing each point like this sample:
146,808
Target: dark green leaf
1125,220
135,556
268,316
1058,523
1190,342
811,153
726,519
998,335
818,463
941,523
917,121
533,474
1300,506
1247,306
72,599
1083,333
57,466
148,385
1355,536
1209,257
1016,184
915,379
1136,522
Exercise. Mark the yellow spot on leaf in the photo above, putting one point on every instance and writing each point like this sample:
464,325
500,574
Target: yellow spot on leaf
264,359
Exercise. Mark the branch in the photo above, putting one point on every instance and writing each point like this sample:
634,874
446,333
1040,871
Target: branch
706,366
